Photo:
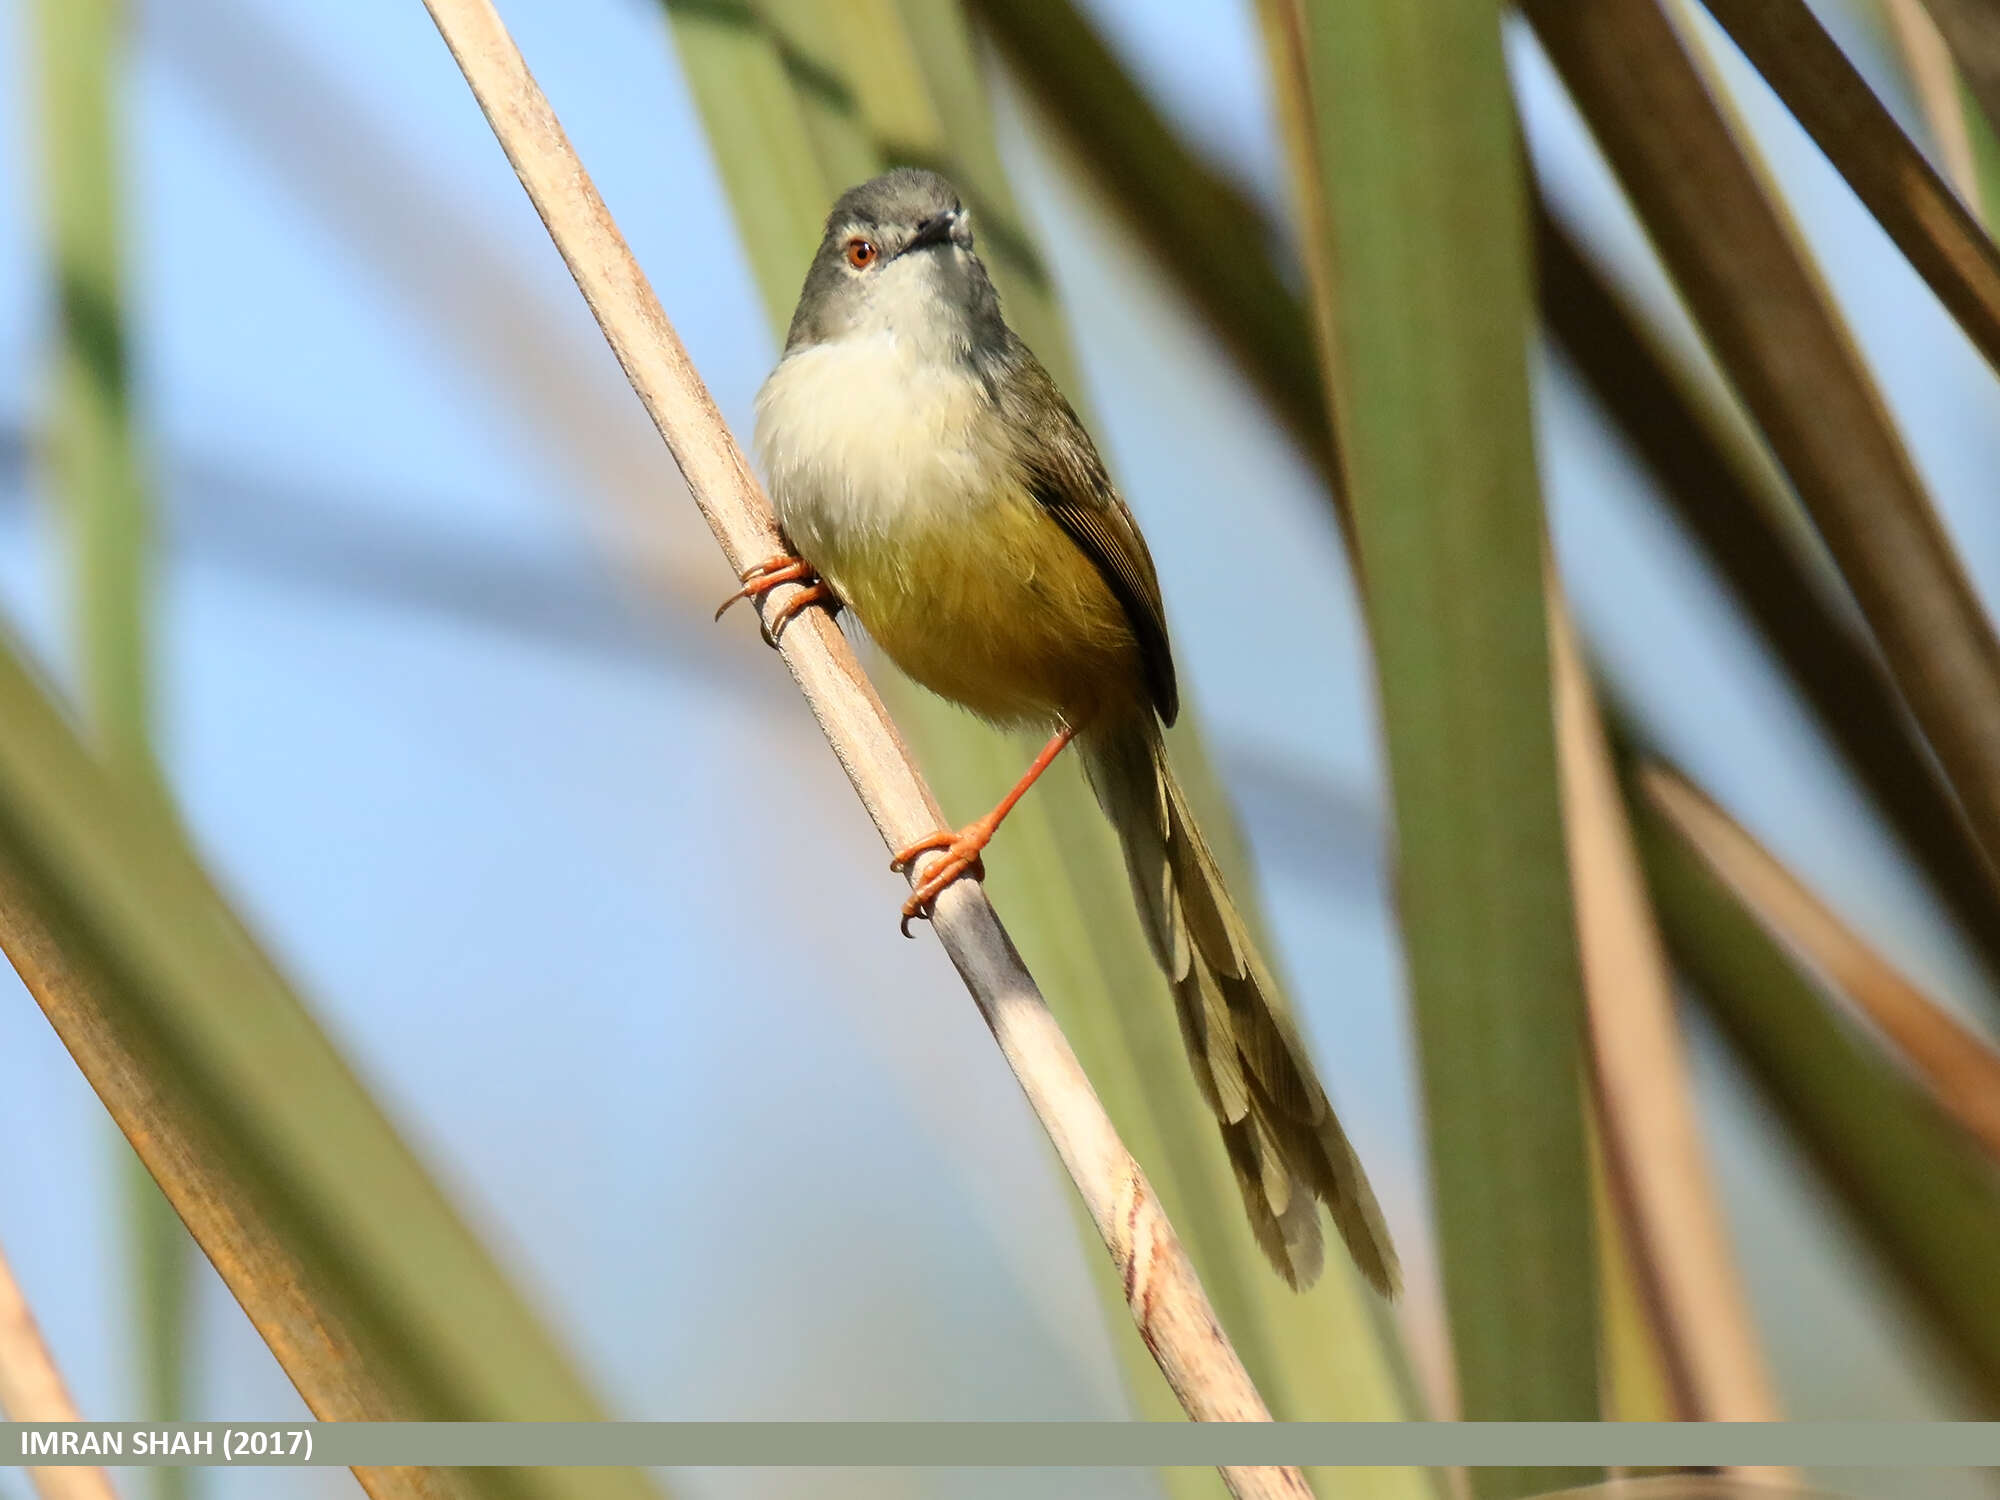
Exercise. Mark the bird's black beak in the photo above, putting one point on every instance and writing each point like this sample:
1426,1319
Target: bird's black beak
935,230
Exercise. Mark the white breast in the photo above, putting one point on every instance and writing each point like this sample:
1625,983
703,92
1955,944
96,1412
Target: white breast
861,440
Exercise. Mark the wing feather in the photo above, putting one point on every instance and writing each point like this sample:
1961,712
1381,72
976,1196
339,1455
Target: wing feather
1064,473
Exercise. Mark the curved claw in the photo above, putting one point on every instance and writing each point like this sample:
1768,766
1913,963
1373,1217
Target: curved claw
962,858
767,575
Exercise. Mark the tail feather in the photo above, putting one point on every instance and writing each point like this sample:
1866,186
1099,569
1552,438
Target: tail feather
1201,998
1285,1146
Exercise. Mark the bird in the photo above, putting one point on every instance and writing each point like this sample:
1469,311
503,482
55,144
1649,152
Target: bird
930,478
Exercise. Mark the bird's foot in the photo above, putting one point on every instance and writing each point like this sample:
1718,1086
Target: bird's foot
962,849
961,858
769,574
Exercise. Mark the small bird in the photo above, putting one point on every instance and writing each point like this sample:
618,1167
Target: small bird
934,481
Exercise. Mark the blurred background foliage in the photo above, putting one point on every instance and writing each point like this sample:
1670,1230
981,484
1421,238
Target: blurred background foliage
350,601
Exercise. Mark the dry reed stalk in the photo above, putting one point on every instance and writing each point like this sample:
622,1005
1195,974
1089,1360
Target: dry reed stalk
1959,1068
1166,1300
32,1390
1657,1166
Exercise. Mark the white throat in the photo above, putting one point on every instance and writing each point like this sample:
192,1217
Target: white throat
873,434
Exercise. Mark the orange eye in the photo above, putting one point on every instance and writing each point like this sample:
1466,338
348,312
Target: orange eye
861,253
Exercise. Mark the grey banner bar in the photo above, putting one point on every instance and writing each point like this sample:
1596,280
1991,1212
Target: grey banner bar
1009,1444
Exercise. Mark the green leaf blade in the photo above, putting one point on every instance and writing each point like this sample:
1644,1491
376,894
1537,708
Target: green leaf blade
1425,263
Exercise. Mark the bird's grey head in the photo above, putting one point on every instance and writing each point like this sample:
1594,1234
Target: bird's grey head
897,258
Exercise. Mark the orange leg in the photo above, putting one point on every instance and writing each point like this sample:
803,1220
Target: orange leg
962,849
769,574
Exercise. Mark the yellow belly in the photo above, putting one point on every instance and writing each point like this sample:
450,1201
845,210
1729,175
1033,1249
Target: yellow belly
995,608
891,472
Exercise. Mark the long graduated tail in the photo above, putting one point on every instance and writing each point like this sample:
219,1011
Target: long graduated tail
1289,1151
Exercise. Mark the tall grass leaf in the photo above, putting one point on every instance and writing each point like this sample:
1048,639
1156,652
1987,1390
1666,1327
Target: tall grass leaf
1425,264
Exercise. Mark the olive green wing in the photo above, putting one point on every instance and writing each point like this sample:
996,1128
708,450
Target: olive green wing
1064,473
